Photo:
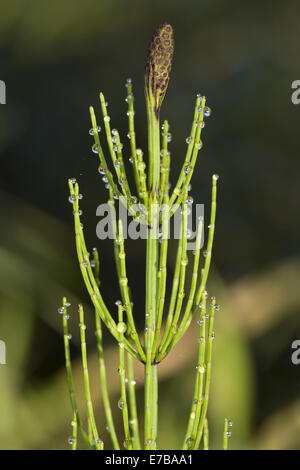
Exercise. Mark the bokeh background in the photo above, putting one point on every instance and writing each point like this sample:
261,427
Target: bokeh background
54,58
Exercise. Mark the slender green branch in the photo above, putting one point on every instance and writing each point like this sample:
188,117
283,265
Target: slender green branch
175,284
74,432
87,272
210,340
190,141
65,316
115,149
122,371
165,164
132,404
190,166
132,139
102,368
193,287
181,291
205,436
90,411
98,149
208,255
162,275
123,280
194,417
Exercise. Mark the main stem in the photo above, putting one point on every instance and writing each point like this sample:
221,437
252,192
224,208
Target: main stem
150,431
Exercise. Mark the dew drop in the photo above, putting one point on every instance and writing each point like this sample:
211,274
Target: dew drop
189,234
207,111
141,166
121,404
121,327
190,442
72,199
187,169
61,310
95,148
127,443
91,131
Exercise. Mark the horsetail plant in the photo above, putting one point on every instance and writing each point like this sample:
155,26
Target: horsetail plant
165,324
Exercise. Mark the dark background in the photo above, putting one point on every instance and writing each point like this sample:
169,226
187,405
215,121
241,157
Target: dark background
55,57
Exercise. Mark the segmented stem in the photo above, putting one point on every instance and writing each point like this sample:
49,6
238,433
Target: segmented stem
90,411
210,340
68,363
102,367
122,371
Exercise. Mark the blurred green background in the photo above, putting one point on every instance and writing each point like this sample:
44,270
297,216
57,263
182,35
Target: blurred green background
54,58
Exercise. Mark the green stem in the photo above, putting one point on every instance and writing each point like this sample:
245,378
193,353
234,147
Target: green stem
210,340
225,435
70,375
205,436
150,431
74,432
88,397
102,368
104,389
132,404
123,400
